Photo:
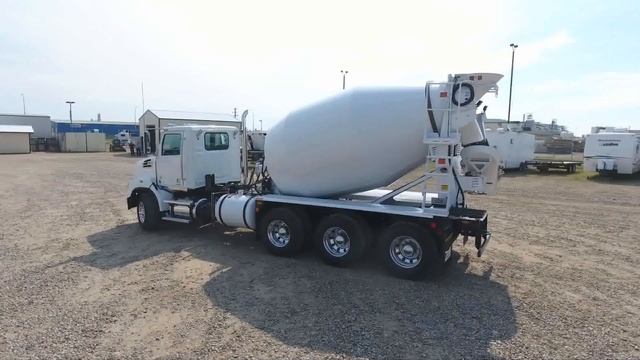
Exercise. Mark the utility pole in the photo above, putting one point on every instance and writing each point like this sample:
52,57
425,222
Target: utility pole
260,125
70,112
513,54
344,78
235,113
24,108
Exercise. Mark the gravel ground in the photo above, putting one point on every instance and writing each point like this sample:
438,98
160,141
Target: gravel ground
79,279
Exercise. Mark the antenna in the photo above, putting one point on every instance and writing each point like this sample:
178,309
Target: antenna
142,88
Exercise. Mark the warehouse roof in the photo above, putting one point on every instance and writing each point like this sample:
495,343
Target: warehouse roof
16,129
88,122
24,115
197,116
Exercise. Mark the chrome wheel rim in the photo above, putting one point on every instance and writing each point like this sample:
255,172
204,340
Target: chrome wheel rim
405,252
278,233
336,241
141,212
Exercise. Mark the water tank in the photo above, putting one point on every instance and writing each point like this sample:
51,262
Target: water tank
363,138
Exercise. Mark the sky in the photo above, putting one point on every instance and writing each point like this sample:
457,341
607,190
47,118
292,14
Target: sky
577,61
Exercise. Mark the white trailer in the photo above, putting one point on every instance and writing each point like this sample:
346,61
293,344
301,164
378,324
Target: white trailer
612,153
515,148
325,192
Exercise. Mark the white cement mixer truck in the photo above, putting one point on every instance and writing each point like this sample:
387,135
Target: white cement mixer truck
324,175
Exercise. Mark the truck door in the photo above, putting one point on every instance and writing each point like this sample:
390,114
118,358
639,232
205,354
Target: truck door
169,163
216,145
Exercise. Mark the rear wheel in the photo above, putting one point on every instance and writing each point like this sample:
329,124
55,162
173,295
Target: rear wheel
148,211
282,231
341,239
410,251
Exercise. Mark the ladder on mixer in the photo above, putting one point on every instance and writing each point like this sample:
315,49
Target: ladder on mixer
441,176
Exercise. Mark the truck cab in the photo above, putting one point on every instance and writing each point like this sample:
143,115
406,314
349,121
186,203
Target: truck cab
176,175
188,153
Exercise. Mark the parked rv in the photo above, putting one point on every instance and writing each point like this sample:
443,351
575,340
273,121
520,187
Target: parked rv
612,153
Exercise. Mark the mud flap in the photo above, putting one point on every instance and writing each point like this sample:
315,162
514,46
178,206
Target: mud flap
471,222
482,241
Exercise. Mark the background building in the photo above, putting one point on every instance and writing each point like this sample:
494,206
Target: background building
41,124
109,128
14,139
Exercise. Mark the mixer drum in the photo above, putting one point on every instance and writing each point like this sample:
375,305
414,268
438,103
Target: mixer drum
367,138
356,141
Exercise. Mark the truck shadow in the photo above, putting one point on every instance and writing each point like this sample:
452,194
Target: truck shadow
361,311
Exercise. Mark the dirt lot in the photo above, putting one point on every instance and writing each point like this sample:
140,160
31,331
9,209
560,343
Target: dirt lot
79,279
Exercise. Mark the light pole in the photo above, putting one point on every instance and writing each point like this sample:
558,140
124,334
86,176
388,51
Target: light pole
344,77
24,108
70,113
513,54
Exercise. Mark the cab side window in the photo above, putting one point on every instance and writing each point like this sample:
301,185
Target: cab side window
216,141
171,144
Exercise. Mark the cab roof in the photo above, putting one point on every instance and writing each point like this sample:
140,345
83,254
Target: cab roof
196,128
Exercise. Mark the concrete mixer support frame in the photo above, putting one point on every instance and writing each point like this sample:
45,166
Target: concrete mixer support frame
441,150
454,167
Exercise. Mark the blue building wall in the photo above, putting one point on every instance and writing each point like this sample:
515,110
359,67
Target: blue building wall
109,129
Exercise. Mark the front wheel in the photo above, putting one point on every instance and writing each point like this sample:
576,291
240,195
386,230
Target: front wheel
410,251
148,211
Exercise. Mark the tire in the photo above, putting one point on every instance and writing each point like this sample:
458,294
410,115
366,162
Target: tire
422,249
282,231
341,239
148,212
523,167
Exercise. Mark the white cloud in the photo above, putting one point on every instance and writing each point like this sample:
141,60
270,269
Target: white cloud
270,56
534,52
595,91
600,98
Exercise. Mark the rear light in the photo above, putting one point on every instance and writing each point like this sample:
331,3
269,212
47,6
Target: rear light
434,227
